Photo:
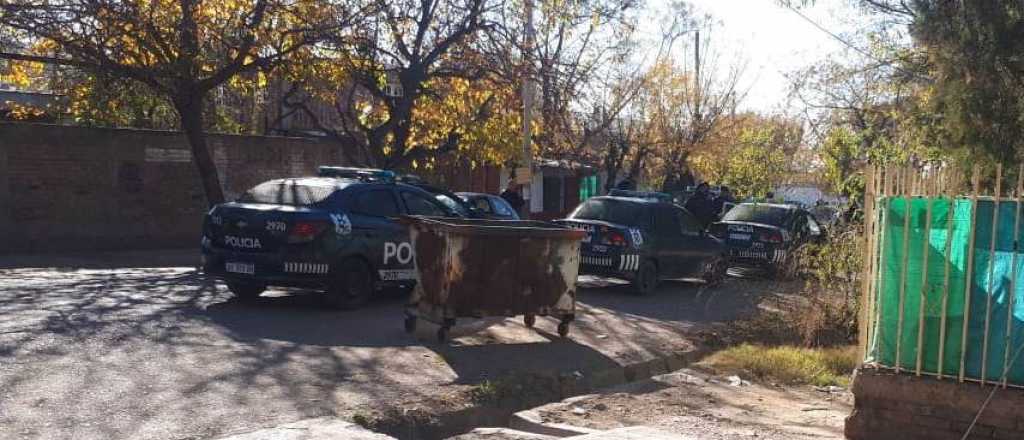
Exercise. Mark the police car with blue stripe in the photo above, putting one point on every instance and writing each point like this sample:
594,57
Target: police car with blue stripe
336,232
643,237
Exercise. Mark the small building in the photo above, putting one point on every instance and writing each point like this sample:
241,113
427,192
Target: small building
558,186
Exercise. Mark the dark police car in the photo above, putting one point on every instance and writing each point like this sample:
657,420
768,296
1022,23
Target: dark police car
762,236
335,232
643,237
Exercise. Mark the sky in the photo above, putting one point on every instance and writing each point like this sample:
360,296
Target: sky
774,40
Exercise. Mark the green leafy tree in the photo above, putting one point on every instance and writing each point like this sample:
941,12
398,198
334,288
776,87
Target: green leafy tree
761,160
975,51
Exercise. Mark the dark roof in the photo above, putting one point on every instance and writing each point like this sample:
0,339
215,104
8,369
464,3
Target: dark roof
29,98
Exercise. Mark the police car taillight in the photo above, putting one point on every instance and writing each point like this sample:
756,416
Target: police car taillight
614,238
305,231
772,237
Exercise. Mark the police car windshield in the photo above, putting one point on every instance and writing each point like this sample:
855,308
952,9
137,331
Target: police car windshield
774,215
609,210
289,192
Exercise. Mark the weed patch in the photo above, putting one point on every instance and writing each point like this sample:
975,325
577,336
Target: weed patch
787,364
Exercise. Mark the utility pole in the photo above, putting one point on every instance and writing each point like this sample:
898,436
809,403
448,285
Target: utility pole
696,75
524,174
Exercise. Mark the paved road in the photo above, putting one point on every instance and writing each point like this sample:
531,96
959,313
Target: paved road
161,353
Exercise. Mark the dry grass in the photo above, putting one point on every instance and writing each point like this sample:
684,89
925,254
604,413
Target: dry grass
788,364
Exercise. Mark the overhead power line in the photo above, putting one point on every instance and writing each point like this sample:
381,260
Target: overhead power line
854,47
830,33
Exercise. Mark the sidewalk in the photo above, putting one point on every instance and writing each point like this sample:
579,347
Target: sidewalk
185,257
697,404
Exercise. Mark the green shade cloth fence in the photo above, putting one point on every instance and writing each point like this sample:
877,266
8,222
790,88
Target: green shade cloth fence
588,187
935,252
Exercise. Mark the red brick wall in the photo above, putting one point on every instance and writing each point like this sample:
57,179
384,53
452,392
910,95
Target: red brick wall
891,406
76,188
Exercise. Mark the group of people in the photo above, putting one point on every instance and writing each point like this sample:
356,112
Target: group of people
706,206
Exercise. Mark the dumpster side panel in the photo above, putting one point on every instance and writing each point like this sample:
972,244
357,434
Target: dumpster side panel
500,288
568,252
432,265
476,272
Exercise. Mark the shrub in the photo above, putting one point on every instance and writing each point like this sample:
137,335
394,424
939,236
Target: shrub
832,268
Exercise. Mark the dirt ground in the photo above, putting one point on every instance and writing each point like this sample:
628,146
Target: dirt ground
129,350
709,407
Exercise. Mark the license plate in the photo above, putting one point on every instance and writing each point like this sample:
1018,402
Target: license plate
742,237
246,268
601,249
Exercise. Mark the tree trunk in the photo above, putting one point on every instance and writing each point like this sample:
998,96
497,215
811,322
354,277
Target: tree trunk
190,111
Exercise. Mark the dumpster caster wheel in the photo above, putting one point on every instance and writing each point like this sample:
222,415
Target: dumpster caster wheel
529,320
563,329
442,335
410,324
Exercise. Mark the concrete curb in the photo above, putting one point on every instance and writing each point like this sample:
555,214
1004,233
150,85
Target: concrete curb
556,387
501,434
320,428
521,415
531,421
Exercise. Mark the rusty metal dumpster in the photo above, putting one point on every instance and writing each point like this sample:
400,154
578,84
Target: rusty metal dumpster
486,268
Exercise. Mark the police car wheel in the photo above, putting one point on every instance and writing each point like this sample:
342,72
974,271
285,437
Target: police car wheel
352,285
646,278
246,291
716,271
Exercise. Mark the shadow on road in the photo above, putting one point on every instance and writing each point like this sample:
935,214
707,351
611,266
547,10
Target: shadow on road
300,317
475,363
164,353
676,300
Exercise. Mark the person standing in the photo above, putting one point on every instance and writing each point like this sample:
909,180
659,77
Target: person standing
700,204
512,196
626,184
718,205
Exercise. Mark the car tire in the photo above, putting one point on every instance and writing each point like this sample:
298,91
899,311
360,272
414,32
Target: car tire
716,271
646,280
352,285
246,291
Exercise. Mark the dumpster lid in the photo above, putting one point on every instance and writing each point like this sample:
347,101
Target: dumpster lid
525,228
